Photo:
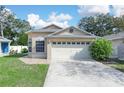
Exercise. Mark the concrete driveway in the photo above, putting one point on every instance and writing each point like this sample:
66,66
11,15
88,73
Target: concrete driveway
82,74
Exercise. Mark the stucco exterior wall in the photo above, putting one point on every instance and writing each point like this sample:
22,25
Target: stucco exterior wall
115,44
121,51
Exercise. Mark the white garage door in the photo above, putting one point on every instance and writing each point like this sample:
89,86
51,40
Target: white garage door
70,51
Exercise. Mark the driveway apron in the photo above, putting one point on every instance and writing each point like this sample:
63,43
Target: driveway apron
87,73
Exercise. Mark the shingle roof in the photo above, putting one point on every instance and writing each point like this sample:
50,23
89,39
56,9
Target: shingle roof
46,29
43,30
119,35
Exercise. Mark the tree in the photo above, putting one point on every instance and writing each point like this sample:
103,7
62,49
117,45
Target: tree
13,28
23,38
101,49
4,22
102,24
119,22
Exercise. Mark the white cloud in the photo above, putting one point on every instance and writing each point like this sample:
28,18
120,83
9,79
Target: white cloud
90,10
35,20
61,20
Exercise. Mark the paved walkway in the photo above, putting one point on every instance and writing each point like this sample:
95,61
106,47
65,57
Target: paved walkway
33,60
82,74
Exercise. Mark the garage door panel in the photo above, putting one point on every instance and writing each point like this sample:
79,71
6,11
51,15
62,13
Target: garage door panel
70,52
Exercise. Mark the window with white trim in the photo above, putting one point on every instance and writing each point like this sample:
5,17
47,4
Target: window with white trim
54,43
63,43
59,43
78,43
73,43
87,43
68,43
82,43
39,46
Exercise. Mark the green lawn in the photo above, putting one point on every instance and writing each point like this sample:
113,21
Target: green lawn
14,73
119,65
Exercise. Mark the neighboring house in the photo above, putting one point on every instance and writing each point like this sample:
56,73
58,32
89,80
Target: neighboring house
54,42
4,46
117,44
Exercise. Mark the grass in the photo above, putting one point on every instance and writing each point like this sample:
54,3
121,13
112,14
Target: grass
15,73
118,64
118,67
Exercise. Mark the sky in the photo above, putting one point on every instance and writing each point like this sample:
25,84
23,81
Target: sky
62,15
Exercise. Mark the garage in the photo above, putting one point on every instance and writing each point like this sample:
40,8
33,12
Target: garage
70,50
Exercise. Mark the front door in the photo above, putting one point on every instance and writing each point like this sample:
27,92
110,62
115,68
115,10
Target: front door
4,47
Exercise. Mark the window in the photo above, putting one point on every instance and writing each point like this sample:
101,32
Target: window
73,43
59,43
68,43
82,43
87,43
64,43
39,46
78,43
30,45
54,43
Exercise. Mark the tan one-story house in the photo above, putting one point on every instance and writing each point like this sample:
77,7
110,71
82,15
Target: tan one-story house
54,42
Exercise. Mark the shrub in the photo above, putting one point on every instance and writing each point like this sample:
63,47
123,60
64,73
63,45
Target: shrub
13,52
16,55
101,49
24,50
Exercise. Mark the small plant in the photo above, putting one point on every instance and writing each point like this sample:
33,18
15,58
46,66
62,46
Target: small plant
101,49
24,50
13,52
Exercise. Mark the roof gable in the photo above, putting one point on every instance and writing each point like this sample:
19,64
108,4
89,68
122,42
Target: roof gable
68,32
